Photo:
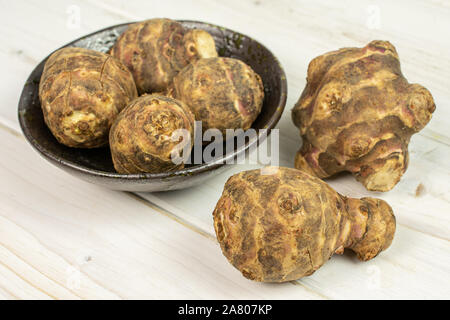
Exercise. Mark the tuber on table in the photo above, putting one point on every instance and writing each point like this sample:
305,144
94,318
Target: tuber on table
142,137
81,92
156,50
281,224
357,113
223,93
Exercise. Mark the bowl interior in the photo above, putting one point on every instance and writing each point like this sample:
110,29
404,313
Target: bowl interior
98,161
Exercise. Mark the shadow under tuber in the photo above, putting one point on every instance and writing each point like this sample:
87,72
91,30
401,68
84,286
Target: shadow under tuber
281,224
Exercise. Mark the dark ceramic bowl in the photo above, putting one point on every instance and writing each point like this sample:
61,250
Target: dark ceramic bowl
95,165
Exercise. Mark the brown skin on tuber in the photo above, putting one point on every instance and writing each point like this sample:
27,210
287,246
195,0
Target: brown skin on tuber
223,93
282,224
357,113
141,137
156,50
81,92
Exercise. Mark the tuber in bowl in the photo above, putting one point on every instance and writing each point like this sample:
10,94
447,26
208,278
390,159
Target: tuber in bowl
95,165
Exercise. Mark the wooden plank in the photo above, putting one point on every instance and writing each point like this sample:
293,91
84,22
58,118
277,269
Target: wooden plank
424,147
420,201
124,248
61,237
404,270
393,274
6,295
309,29
297,31
17,288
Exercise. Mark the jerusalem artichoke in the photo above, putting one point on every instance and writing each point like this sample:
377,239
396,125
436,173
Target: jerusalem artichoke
357,113
156,50
283,225
141,139
81,92
223,93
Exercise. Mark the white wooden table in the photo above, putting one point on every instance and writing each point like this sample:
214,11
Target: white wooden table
63,238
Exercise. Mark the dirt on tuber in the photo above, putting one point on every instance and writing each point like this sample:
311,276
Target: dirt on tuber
142,137
223,93
280,224
81,92
156,50
357,113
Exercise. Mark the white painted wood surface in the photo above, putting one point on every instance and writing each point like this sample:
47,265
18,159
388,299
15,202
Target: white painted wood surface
61,238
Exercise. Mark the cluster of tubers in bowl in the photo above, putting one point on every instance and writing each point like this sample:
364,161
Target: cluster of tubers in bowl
357,113
158,78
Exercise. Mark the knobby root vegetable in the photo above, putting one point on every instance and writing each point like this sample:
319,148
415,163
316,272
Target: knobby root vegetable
357,113
81,92
281,224
156,50
141,139
223,93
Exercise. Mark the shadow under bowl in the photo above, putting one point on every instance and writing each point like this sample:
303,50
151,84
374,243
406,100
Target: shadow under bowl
95,165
